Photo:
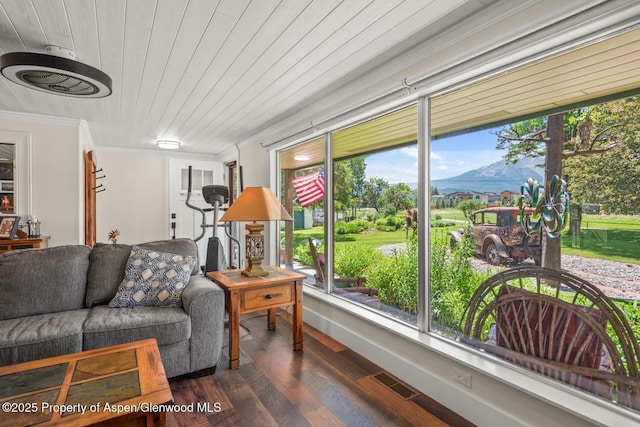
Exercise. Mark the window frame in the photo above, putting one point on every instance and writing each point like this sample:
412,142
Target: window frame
542,388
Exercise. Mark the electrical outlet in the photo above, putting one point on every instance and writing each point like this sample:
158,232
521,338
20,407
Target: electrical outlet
463,378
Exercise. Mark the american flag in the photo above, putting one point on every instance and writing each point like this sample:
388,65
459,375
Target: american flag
309,188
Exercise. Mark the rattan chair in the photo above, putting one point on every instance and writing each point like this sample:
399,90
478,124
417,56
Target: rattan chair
557,324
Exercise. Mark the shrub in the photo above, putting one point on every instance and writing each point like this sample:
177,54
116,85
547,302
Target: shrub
350,259
372,216
355,259
396,278
302,254
390,223
356,226
453,282
361,224
442,223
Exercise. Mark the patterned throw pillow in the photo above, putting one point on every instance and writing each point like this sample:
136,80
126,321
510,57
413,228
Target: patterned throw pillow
153,278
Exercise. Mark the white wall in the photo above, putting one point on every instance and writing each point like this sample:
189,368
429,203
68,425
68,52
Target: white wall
56,167
136,196
136,183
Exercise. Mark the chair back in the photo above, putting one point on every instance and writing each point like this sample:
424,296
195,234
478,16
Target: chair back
557,324
318,261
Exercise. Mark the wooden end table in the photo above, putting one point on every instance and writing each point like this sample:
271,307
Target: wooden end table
248,294
119,385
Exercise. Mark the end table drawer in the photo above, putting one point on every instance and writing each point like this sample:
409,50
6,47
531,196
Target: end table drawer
265,297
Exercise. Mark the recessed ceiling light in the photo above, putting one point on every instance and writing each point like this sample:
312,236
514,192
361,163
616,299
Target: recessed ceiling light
301,157
55,72
168,145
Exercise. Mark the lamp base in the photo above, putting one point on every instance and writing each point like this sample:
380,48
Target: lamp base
255,251
254,269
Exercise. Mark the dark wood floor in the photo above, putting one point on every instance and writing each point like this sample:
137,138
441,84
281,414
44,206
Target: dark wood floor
326,384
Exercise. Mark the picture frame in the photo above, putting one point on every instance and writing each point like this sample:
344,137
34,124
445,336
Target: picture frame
8,226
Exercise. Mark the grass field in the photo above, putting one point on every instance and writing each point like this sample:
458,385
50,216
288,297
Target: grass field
622,222
611,237
610,244
375,239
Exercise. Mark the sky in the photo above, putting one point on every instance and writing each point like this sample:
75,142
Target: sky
449,157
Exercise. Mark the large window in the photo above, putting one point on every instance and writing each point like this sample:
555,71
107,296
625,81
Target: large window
375,253
302,166
535,168
372,253
531,239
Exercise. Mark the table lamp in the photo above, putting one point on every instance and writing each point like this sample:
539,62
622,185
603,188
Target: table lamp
255,204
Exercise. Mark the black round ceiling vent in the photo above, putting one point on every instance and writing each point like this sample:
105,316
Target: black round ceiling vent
55,74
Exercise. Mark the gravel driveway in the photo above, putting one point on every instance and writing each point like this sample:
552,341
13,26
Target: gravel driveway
616,279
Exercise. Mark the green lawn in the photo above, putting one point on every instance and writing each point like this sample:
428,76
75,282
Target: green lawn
624,222
611,244
372,238
612,237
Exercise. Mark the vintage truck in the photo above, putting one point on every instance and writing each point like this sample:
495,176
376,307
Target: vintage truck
499,237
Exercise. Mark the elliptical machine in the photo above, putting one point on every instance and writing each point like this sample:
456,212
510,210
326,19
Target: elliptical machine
215,195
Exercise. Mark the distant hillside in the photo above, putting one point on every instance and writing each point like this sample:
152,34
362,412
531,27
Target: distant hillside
493,178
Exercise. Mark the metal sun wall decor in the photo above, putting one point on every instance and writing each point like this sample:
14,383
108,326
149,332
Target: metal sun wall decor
550,206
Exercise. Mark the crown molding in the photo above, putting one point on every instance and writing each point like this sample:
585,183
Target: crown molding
14,115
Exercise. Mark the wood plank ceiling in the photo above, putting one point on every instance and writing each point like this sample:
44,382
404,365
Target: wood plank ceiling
210,73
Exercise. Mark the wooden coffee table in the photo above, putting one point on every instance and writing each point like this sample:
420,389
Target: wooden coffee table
123,384
248,294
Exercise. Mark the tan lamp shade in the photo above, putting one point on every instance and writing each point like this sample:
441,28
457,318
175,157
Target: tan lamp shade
255,204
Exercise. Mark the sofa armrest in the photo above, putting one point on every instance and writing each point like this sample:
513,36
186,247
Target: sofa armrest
204,300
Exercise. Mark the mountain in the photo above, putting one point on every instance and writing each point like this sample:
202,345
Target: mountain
493,178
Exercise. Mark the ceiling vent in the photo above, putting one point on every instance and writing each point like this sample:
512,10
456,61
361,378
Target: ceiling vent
57,72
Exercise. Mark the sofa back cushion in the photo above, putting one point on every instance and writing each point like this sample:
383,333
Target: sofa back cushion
108,264
38,281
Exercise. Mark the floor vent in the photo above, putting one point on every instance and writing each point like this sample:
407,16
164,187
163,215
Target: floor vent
401,389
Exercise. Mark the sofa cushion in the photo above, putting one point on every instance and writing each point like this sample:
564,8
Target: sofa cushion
42,281
109,326
108,263
40,336
153,279
106,271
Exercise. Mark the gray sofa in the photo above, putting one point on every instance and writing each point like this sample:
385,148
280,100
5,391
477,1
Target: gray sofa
55,301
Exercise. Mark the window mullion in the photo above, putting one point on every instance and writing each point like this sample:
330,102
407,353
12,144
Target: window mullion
328,213
423,203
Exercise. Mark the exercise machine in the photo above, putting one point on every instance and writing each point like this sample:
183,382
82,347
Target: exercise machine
217,196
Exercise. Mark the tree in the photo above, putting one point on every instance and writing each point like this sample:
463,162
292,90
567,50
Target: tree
597,178
358,168
342,183
530,139
372,193
580,137
397,197
598,142
468,206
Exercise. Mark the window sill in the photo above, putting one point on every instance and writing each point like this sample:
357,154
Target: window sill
568,399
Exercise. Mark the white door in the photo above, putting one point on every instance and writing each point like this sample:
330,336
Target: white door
188,221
